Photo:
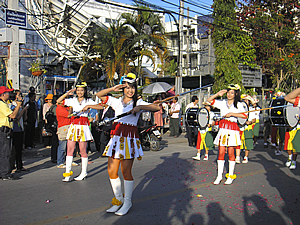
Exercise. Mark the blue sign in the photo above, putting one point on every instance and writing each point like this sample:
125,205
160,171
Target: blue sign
16,18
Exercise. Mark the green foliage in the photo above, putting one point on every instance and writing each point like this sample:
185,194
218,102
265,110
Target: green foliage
36,66
171,68
232,45
273,25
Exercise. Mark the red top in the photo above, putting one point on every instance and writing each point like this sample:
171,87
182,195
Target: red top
62,116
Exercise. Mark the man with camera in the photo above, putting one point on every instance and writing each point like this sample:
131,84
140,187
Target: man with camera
6,118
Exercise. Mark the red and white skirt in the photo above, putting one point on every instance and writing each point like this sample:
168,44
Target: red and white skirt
79,130
228,135
124,142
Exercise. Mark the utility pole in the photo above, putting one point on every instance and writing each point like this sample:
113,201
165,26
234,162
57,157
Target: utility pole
209,52
178,81
188,62
13,60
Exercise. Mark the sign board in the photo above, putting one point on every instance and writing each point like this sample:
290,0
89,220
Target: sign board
252,77
16,18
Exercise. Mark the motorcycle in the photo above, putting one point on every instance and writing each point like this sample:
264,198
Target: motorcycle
150,137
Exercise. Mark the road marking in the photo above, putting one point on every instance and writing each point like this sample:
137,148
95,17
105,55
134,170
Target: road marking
101,209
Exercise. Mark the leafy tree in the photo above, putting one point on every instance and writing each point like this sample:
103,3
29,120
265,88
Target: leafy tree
232,45
274,27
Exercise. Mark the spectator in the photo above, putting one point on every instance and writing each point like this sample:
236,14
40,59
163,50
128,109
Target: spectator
46,107
52,127
6,114
174,120
30,122
26,98
93,117
158,119
106,112
18,133
63,123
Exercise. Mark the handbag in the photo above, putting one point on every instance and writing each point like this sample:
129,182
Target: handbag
45,133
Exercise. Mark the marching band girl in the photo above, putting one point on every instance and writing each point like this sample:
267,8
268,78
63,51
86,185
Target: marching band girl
124,145
293,98
205,139
79,130
246,132
228,135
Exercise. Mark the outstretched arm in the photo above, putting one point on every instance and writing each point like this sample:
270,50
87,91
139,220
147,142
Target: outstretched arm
97,106
291,97
152,107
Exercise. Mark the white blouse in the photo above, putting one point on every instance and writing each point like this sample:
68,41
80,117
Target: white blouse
225,108
77,107
120,108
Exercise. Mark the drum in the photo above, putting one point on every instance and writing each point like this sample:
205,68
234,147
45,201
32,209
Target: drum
197,117
242,121
283,113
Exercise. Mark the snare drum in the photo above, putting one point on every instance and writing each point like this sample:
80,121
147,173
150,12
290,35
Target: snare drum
197,117
287,115
242,121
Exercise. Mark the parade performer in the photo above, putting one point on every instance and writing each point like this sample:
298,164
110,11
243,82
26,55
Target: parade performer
124,144
246,132
79,130
293,98
229,131
191,132
278,133
205,139
256,124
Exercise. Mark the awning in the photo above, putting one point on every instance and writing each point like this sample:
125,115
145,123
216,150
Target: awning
148,73
60,78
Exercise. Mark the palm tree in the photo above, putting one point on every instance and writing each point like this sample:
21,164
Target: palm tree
148,32
112,47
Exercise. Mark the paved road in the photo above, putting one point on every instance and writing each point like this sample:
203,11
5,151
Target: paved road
170,188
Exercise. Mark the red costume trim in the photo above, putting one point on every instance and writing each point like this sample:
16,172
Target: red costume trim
198,140
124,130
106,100
213,102
245,115
296,101
286,140
80,120
226,124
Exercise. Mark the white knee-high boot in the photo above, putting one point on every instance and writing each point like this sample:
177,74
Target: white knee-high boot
220,171
118,199
68,173
128,187
230,176
83,174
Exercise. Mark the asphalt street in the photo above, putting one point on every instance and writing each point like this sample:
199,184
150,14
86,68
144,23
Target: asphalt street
170,188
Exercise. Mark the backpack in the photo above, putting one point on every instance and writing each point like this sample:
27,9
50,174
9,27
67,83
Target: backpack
51,125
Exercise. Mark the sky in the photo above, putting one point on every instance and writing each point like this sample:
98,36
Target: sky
199,7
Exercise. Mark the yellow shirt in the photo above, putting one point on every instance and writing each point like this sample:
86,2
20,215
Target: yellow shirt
5,111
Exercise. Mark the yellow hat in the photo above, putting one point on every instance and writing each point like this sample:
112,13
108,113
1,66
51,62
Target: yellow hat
49,97
234,87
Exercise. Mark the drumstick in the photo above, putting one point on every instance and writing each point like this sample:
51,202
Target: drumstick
184,93
280,106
